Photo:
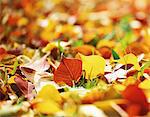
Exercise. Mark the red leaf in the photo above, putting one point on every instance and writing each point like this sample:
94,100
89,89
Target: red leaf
2,51
136,96
147,71
68,71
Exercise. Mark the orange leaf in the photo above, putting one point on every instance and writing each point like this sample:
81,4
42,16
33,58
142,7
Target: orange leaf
85,50
136,96
69,70
2,51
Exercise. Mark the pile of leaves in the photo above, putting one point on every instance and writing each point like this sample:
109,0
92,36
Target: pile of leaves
74,58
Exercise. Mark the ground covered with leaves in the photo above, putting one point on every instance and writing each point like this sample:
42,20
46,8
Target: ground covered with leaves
74,58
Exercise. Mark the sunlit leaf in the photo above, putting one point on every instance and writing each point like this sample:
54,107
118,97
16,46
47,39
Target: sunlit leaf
78,43
145,66
130,59
93,65
119,87
103,43
15,67
48,100
49,47
69,71
85,50
110,36
145,84
49,92
48,107
137,98
22,21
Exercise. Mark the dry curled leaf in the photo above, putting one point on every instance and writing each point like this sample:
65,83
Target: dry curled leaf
25,87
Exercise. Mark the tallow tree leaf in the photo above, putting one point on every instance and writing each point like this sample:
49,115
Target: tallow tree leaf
69,71
93,65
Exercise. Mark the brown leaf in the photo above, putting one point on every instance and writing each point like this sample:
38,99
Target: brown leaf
105,52
25,87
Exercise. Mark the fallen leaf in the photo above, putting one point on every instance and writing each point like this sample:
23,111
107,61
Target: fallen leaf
130,59
69,71
2,51
48,100
105,43
145,84
47,107
93,65
137,48
147,71
105,52
136,96
22,21
49,47
49,92
85,50
25,87
40,66
115,55
92,96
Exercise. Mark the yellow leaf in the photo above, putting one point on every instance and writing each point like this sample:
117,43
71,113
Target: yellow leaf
93,65
11,80
48,100
47,107
119,87
49,92
130,59
22,21
129,81
103,43
49,47
145,84
107,106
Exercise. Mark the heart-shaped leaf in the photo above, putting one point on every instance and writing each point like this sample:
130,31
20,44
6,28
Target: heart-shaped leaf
93,65
69,70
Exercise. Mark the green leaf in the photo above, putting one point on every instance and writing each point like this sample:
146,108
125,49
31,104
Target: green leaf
124,23
16,64
115,55
78,43
91,83
110,36
146,65
61,49
94,41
